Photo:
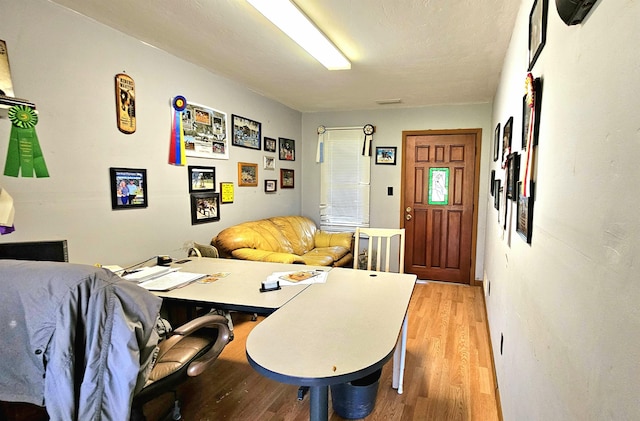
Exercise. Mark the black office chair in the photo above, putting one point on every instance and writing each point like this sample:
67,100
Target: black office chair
190,350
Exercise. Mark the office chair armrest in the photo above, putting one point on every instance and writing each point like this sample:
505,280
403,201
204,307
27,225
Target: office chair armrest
209,320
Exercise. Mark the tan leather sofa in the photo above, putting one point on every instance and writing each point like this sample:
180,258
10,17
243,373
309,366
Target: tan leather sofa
285,239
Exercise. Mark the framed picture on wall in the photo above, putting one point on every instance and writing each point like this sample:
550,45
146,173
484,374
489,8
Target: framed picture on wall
496,190
205,132
269,144
270,186
269,162
524,214
493,182
496,143
202,179
537,30
386,155
287,149
246,132
205,207
506,139
247,174
129,188
513,175
286,178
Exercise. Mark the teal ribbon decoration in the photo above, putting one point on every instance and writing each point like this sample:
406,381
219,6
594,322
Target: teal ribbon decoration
24,149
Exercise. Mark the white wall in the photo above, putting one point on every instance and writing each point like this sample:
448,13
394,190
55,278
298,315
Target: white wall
567,305
66,64
390,123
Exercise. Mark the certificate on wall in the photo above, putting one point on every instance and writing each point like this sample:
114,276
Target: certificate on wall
226,192
205,132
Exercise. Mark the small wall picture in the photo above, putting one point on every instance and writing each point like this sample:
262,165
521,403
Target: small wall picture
496,143
269,163
202,179
493,182
247,174
513,175
287,149
497,190
205,207
386,155
524,214
269,144
246,132
128,188
286,178
506,139
537,30
270,186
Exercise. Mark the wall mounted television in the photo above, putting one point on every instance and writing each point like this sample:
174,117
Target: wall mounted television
53,251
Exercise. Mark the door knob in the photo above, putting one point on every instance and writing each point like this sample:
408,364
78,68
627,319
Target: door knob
408,217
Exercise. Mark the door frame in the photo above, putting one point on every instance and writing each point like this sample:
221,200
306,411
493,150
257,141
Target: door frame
476,187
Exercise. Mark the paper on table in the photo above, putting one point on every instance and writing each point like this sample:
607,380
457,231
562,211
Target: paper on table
317,277
171,280
146,273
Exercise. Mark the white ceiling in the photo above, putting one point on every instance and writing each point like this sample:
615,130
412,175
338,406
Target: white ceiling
424,52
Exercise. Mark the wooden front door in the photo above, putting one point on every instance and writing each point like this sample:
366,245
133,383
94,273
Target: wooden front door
439,193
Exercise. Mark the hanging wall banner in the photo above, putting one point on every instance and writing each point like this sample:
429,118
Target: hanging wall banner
177,155
24,149
125,103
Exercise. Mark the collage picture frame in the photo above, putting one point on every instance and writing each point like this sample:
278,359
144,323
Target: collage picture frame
246,132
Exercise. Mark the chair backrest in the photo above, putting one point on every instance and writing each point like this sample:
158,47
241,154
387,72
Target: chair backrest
380,241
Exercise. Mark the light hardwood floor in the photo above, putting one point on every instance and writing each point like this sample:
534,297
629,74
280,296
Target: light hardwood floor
449,373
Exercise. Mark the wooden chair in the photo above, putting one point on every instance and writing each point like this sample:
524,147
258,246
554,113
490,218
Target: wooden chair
381,241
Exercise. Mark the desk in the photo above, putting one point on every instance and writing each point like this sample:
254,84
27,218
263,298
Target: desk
332,333
240,291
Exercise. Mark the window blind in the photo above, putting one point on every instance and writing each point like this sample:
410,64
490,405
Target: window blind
345,181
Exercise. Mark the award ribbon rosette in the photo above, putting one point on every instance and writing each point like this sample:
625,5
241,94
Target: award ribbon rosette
529,87
177,154
24,149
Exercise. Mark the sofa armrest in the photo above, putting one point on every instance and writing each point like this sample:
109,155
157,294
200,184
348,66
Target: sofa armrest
330,239
265,256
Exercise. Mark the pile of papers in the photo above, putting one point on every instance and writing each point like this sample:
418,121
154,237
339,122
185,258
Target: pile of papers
161,278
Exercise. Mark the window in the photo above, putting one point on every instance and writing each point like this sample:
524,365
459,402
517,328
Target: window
344,183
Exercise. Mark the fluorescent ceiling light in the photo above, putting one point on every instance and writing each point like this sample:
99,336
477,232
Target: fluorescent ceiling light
286,16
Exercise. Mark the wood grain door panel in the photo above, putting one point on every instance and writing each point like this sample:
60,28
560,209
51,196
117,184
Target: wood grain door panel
439,237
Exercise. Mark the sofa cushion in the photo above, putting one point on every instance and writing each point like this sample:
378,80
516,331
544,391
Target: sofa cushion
266,256
300,232
332,253
260,235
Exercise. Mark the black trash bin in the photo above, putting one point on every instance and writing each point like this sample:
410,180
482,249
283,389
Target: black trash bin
356,399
